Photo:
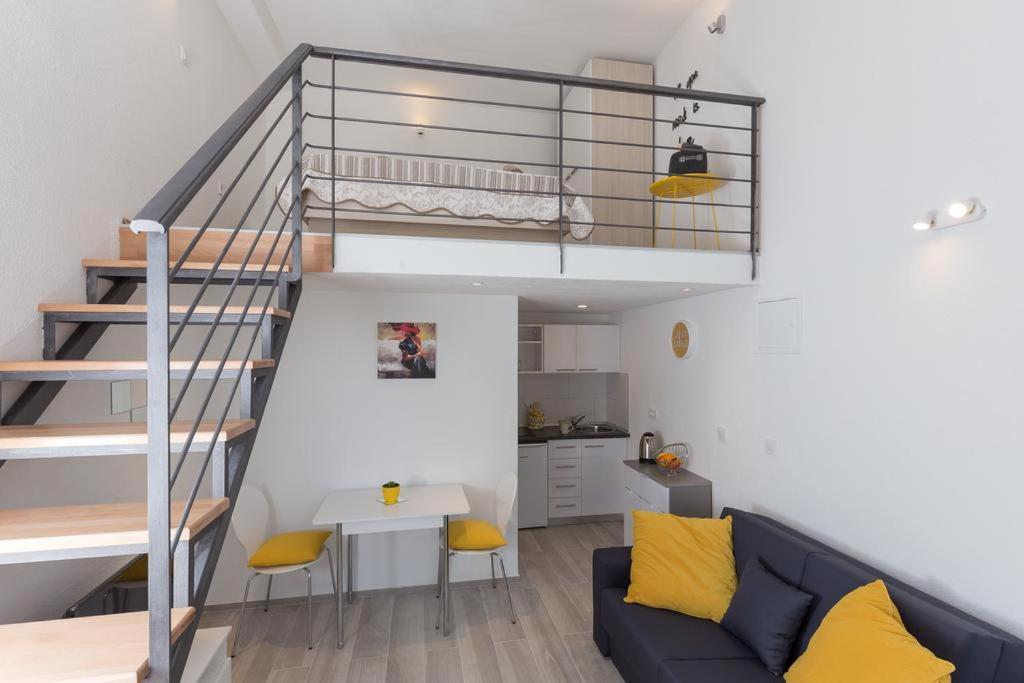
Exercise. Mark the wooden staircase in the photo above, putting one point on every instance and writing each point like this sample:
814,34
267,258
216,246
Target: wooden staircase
108,648
233,272
116,646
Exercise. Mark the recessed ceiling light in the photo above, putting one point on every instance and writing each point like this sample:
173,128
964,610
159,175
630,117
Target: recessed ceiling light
925,223
582,305
687,289
478,284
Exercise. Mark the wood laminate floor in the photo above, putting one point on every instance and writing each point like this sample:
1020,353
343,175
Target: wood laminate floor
390,635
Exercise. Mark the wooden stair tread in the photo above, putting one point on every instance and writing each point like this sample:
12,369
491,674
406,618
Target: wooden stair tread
141,308
111,647
188,265
74,527
110,434
119,365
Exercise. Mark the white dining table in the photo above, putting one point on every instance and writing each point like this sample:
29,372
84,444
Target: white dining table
357,511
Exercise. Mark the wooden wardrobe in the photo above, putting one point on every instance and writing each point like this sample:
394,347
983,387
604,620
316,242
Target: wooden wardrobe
610,183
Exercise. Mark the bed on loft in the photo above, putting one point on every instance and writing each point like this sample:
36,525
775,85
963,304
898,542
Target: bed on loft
414,196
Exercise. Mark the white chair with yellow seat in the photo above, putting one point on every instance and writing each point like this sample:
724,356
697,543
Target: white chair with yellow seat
281,554
480,537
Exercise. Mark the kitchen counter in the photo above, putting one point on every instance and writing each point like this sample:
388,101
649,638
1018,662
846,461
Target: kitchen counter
653,471
647,488
552,434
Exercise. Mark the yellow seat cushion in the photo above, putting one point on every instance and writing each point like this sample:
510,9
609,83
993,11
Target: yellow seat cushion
294,547
862,638
474,534
683,564
137,571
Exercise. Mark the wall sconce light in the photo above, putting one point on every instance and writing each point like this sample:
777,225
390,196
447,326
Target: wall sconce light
926,222
960,212
717,26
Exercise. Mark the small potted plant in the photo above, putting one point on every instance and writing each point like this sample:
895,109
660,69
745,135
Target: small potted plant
389,492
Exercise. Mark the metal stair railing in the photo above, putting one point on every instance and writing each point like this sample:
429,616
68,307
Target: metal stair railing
279,270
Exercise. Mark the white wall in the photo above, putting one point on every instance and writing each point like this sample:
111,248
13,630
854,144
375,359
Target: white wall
898,426
331,424
98,112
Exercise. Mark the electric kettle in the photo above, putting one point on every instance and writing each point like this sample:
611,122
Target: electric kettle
647,447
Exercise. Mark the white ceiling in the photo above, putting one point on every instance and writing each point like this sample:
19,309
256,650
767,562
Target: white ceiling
546,35
535,294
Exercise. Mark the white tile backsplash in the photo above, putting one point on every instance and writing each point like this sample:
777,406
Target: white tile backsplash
601,397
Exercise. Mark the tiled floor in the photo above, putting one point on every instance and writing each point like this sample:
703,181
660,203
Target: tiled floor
390,635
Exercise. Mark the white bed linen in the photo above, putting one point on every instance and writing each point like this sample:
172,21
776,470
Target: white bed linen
509,208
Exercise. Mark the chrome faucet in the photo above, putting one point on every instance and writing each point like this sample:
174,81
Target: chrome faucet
576,420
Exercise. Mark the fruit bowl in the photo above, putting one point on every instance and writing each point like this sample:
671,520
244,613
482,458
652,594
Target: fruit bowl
673,458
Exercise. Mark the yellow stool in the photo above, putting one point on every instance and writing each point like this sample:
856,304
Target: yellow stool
680,187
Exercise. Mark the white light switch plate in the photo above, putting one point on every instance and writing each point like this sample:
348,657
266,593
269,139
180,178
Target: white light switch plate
652,413
723,436
771,446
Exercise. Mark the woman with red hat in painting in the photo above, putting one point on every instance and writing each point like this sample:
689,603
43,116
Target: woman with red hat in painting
411,347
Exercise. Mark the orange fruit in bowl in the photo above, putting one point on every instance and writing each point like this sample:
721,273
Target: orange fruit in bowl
664,457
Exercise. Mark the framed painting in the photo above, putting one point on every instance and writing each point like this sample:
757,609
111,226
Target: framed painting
406,350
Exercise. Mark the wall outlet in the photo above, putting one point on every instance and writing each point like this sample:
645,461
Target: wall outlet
652,413
771,446
723,435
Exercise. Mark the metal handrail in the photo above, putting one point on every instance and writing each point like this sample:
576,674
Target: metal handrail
168,203
514,105
540,164
533,76
512,133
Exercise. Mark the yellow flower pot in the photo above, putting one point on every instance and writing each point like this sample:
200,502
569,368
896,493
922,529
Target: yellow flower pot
390,494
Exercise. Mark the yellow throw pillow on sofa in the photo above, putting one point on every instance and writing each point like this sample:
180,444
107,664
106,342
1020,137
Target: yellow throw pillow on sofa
294,547
683,564
862,638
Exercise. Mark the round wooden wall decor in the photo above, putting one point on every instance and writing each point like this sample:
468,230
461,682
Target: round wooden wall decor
683,341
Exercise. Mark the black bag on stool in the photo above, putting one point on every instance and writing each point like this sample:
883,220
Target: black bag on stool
691,158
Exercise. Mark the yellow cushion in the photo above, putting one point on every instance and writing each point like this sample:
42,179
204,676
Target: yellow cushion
294,547
862,638
137,571
474,534
682,564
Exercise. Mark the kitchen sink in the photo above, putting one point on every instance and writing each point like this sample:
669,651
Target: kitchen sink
595,429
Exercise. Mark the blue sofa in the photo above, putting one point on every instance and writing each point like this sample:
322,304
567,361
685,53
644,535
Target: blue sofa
660,646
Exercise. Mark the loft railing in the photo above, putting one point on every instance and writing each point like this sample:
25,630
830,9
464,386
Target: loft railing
739,118
271,260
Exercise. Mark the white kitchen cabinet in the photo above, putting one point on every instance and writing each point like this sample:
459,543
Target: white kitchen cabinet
603,475
564,469
581,348
561,449
597,348
533,485
647,488
564,507
565,488
560,348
